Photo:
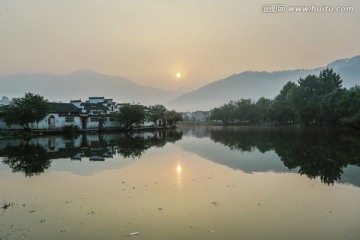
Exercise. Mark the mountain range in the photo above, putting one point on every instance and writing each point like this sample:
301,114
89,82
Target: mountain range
86,83
83,84
254,85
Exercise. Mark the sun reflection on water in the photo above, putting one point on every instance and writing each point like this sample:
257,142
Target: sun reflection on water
179,170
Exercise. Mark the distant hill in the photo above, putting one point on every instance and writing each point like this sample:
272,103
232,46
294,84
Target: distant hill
258,84
81,85
86,83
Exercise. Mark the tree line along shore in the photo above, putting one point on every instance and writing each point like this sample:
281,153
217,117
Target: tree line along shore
314,100
318,100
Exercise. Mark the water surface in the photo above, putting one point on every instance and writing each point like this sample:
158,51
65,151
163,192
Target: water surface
193,183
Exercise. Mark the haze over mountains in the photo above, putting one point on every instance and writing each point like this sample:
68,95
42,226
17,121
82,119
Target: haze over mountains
254,85
86,83
82,85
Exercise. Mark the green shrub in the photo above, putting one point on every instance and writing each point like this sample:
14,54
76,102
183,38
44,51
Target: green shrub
70,129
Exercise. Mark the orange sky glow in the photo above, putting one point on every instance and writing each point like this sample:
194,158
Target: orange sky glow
150,42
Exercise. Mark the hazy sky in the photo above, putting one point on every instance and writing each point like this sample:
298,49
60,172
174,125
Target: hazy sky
149,41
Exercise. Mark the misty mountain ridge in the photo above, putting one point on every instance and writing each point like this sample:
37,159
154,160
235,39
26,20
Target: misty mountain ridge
86,83
256,84
83,84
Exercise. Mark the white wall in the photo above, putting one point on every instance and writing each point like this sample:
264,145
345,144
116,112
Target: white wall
44,124
60,122
3,125
95,125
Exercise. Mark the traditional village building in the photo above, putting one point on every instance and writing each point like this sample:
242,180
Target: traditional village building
60,115
96,113
198,116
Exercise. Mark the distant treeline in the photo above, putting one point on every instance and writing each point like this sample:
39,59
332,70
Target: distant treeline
314,100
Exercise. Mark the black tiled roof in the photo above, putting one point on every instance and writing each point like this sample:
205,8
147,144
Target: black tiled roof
96,97
63,108
94,106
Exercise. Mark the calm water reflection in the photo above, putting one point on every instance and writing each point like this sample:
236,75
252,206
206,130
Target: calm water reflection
313,152
193,183
34,156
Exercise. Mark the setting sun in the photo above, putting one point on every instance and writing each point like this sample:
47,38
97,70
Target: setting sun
178,169
178,75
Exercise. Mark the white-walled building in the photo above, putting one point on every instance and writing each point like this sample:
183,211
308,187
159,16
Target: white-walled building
60,115
198,116
95,113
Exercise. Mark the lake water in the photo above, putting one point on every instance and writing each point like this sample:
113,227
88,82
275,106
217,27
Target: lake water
193,183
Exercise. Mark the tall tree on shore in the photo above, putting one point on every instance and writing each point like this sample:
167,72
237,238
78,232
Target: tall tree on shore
282,110
311,90
329,81
348,107
263,109
131,114
157,112
173,117
31,108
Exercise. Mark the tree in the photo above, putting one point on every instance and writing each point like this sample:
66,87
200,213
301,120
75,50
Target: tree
157,112
263,108
245,110
173,117
348,107
28,109
329,113
131,114
329,81
310,92
225,113
283,105
102,121
306,98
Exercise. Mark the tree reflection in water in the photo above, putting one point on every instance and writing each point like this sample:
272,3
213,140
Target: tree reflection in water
34,157
314,152
29,159
134,145
317,153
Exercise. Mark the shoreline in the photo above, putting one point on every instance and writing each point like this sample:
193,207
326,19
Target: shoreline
9,133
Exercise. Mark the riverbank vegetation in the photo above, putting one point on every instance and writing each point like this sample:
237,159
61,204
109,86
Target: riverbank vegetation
135,115
25,110
314,100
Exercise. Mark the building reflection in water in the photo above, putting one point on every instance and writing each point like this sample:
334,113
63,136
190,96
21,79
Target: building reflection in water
34,156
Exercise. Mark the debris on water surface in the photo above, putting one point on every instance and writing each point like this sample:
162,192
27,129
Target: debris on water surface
133,234
7,205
